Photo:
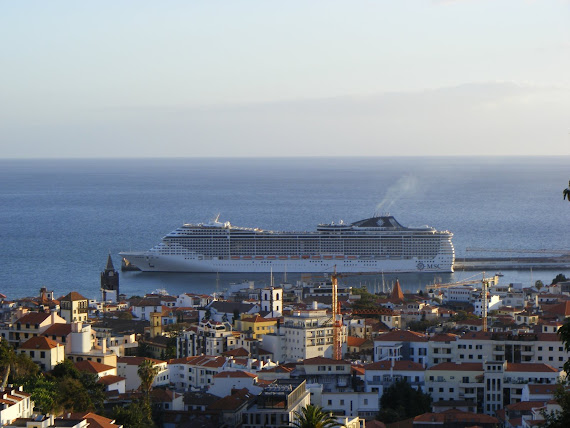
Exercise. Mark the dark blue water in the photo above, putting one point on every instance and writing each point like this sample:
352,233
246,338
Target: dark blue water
60,218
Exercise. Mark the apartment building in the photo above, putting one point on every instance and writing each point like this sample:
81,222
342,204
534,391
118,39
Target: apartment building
401,345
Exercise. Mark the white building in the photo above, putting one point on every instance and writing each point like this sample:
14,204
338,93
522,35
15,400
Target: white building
401,345
14,404
382,374
195,372
225,381
127,367
44,352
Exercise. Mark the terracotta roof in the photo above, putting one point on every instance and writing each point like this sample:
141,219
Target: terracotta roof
374,424
469,367
110,379
359,370
34,318
235,374
74,296
398,365
239,352
261,351
92,366
354,341
558,309
136,361
278,369
95,421
401,336
525,405
201,360
454,415
39,342
232,402
59,329
443,337
541,388
530,367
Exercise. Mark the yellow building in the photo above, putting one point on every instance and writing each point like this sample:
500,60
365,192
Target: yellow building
256,325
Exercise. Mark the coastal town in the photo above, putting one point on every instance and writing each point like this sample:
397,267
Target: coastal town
478,353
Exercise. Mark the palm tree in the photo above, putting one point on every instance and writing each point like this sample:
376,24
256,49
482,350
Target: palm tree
8,359
313,417
147,371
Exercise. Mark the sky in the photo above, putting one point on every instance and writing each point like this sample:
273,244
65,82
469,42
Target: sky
261,78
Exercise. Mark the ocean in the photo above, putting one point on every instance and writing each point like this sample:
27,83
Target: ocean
59,219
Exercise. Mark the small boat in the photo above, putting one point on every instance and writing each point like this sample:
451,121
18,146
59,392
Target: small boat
499,274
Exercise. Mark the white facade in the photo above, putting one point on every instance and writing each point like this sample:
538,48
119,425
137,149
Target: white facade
127,367
225,381
195,372
271,300
15,404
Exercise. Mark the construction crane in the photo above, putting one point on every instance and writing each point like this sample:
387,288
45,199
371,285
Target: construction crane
336,313
466,281
506,250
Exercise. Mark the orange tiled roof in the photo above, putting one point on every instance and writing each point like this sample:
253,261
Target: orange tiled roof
235,374
34,318
530,367
401,336
59,329
74,296
92,366
39,342
322,360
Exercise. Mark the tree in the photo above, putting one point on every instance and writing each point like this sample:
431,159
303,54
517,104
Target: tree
401,401
7,361
313,417
538,284
147,371
132,416
562,395
559,278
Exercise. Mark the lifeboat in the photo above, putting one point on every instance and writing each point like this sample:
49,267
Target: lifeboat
259,257
295,257
247,257
339,257
235,257
283,258
316,257
271,257
306,256
327,257
351,257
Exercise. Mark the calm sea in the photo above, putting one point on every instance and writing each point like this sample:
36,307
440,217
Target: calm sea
60,218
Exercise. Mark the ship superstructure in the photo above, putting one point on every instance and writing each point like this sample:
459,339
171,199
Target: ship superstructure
375,244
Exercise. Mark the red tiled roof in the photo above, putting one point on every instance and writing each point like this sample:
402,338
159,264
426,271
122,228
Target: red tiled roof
239,352
110,379
73,296
34,318
232,402
92,366
541,388
39,342
235,374
454,415
525,405
95,421
443,337
530,367
59,329
354,341
201,360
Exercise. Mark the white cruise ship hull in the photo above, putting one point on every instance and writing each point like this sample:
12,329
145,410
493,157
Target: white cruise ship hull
150,262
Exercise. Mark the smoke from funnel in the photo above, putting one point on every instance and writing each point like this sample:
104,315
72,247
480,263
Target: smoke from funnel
405,186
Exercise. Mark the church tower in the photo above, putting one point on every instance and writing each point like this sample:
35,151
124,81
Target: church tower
110,282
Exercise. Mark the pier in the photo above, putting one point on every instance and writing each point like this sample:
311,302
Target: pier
490,264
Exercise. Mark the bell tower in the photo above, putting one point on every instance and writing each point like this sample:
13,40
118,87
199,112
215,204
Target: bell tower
110,282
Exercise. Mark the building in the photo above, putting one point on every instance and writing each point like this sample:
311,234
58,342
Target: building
14,404
44,352
127,367
110,282
277,404
74,307
191,373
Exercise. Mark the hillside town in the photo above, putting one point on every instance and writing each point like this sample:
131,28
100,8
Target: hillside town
481,354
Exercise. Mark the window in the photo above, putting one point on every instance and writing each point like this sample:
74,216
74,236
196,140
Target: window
342,402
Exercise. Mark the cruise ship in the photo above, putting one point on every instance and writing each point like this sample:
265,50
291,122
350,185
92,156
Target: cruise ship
377,244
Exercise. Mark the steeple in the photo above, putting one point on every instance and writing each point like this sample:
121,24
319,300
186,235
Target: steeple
397,293
110,282
109,266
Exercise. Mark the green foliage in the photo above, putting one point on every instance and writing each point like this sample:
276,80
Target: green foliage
423,325
367,300
538,284
135,415
401,401
44,393
559,419
313,417
559,278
